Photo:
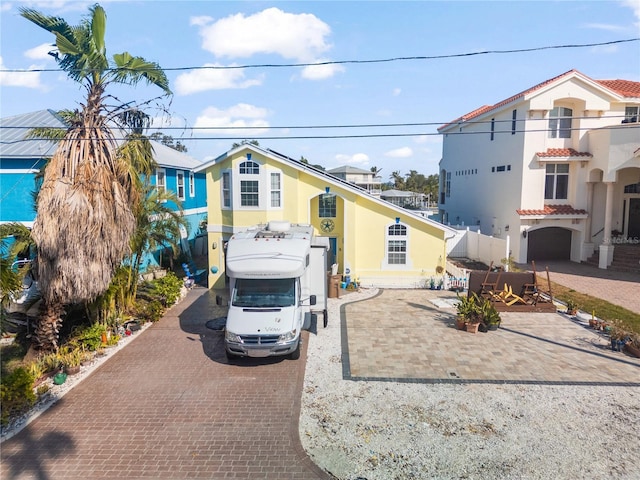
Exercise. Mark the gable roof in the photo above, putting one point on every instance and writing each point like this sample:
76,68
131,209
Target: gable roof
14,144
329,179
619,88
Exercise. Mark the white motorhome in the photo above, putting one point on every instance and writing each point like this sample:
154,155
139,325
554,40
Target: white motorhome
278,278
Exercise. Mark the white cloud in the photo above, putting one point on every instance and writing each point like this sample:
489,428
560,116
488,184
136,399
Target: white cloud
20,79
357,159
296,36
396,92
240,116
213,79
201,20
41,52
404,152
633,5
320,72
605,26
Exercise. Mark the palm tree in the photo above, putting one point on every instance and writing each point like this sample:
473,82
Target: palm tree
398,180
14,239
158,226
85,220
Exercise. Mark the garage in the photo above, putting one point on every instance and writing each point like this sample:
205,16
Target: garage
551,243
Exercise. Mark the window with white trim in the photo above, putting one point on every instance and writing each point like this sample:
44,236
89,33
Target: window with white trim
560,122
249,193
276,190
226,189
397,244
249,168
161,179
192,184
447,186
631,114
180,185
556,183
327,205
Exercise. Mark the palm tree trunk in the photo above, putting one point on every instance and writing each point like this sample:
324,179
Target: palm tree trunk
45,337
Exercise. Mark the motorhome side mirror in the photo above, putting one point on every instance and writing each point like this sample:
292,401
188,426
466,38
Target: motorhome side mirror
312,300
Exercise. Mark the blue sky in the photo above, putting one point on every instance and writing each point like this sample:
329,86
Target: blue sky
179,34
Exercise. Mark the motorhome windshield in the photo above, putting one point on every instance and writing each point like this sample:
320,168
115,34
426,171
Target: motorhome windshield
250,292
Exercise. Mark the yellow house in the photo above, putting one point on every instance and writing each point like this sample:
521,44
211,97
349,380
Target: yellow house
376,242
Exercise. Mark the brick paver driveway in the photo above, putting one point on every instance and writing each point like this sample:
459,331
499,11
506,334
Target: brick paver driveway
169,406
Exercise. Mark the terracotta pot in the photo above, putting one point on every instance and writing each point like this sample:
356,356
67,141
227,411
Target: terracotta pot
72,370
460,323
473,327
632,350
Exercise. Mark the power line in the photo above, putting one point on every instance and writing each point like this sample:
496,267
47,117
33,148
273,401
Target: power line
367,135
344,62
357,125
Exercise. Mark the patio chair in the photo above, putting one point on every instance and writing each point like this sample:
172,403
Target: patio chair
192,272
510,298
490,289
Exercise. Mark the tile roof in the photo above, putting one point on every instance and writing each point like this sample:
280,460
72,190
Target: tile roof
563,152
625,88
553,210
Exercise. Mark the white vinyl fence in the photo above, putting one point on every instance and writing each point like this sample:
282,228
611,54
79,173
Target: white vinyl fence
477,246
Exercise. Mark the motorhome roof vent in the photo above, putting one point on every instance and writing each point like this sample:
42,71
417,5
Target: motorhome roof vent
269,234
278,226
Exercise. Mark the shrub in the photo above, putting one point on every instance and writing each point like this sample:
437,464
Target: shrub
88,338
167,289
16,393
149,311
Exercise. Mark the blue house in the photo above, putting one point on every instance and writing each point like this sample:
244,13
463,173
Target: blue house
21,160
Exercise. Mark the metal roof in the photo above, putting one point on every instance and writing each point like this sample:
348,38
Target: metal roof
169,157
398,193
13,131
349,169
14,144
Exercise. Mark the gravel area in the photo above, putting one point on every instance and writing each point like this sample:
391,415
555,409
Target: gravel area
388,430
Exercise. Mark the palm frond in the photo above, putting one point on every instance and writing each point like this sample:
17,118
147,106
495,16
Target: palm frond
133,69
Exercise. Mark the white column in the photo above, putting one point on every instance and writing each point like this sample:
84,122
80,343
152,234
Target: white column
606,249
587,243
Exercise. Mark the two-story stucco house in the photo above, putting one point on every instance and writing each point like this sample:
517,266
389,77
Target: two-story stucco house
21,159
556,167
364,179
381,244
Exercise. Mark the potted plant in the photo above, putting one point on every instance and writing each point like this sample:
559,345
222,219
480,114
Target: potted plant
572,307
618,339
432,283
468,313
632,346
490,316
71,361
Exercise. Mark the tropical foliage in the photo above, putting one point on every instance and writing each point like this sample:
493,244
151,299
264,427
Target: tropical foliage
15,239
85,219
416,182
